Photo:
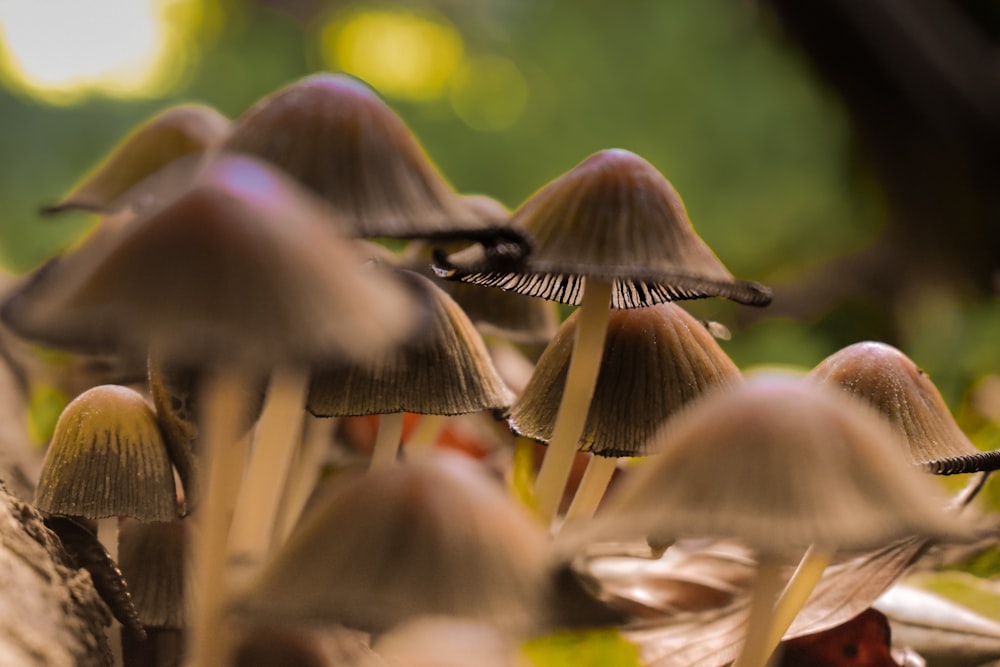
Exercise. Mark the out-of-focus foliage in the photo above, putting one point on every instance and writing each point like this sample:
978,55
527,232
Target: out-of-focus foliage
507,95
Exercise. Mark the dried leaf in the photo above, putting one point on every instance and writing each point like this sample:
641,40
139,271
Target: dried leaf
945,633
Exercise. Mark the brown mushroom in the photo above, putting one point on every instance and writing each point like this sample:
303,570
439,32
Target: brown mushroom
611,232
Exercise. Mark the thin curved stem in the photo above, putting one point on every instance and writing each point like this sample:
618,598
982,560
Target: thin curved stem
767,584
581,377
797,591
276,441
597,477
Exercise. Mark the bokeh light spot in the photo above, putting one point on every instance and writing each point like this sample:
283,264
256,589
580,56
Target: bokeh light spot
61,50
401,54
489,93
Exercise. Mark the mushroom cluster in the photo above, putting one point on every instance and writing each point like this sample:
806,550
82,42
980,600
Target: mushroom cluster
242,260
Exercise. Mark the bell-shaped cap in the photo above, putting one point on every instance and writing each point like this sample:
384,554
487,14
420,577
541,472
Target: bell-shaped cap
336,136
905,396
446,370
779,463
613,217
152,558
107,458
435,537
182,130
656,360
243,267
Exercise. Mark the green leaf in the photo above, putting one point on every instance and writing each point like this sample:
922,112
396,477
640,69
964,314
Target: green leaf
45,404
594,648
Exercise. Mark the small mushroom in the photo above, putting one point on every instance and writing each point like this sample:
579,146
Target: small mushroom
907,398
610,233
656,360
106,459
446,370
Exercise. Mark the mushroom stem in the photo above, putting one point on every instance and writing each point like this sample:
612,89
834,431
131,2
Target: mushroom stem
595,482
581,378
390,433
275,443
797,591
107,535
425,434
315,445
225,455
767,584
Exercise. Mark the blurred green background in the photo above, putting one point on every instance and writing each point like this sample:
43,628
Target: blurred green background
505,95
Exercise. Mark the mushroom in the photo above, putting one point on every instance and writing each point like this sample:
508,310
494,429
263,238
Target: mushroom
241,273
107,459
436,536
444,371
179,131
337,137
611,232
152,558
905,396
655,361
780,463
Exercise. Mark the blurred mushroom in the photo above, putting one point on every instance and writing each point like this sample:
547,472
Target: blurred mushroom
434,537
780,463
182,130
655,361
610,233
240,274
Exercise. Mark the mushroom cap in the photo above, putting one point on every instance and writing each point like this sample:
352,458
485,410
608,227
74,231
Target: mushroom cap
431,537
904,395
336,136
152,558
780,463
179,131
445,371
243,267
616,218
656,360
107,458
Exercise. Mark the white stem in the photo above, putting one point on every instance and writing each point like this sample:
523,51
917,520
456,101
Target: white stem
225,462
425,434
315,446
275,443
797,591
581,377
767,584
390,433
597,476
107,535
